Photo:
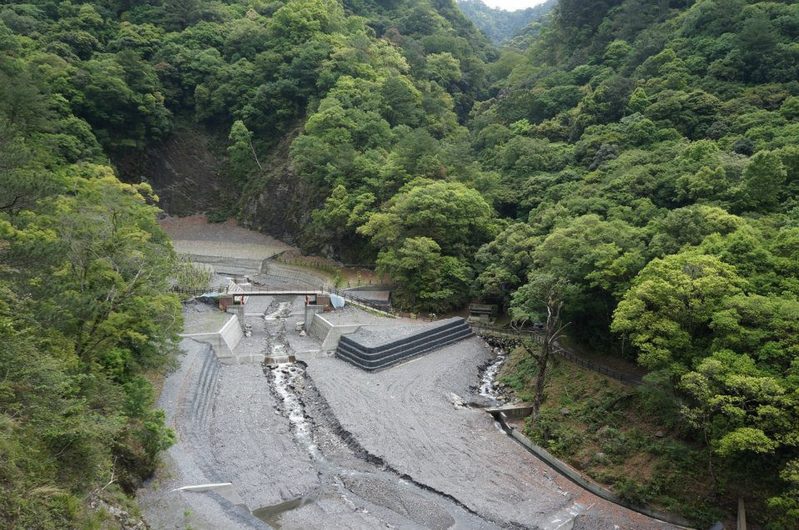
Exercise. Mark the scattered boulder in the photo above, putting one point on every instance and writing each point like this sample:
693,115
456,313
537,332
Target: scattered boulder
481,402
456,400
124,519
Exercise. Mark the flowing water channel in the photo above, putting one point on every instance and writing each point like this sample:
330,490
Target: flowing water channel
343,468
488,381
285,378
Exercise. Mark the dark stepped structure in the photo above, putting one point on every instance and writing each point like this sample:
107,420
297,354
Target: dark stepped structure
374,355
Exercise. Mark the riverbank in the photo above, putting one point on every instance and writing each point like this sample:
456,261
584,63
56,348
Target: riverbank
615,434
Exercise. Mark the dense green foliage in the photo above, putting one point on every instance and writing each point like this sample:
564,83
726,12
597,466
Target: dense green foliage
648,152
644,153
85,314
501,26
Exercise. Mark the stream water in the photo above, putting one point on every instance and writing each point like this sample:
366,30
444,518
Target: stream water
286,380
488,381
286,377
339,468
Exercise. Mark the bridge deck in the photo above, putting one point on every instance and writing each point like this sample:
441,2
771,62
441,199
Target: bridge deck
279,293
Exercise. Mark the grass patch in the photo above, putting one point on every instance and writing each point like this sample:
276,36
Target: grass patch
624,437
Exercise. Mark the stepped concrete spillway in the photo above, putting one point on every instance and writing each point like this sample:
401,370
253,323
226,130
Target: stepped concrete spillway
378,349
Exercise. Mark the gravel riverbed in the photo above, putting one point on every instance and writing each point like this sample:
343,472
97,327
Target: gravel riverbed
322,444
331,446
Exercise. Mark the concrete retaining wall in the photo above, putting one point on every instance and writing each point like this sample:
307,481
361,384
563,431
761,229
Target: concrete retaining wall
228,265
378,296
223,341
231,333
329,334
515,411
319,327
310,311
379,356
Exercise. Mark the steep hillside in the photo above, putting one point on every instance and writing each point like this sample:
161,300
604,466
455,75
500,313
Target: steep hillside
185,169
86,316
501,26
640,156
647,151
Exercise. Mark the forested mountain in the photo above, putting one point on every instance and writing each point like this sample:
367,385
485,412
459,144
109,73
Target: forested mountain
645,153
86,318
500,25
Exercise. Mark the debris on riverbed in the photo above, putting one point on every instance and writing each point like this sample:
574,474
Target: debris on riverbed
492,392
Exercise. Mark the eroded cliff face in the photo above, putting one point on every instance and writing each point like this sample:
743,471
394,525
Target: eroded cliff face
186,171
277,201
280,206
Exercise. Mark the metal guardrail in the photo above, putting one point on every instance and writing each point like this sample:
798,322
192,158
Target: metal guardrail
559,350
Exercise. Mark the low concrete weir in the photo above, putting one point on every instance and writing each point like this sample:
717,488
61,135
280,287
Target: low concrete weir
372,354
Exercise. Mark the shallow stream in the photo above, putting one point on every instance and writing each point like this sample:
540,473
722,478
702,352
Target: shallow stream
348,477
488,381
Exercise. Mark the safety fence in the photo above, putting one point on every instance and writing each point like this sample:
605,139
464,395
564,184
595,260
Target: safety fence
290,283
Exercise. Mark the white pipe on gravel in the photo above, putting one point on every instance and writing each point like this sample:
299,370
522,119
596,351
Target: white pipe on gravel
201,487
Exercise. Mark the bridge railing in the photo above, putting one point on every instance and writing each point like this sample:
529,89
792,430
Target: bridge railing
296,283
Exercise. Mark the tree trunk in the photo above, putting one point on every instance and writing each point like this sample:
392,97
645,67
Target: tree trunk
552,331
543,361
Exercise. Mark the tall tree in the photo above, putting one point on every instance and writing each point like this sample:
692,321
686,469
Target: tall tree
541,300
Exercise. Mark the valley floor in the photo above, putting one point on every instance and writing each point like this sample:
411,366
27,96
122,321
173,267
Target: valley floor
322,444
